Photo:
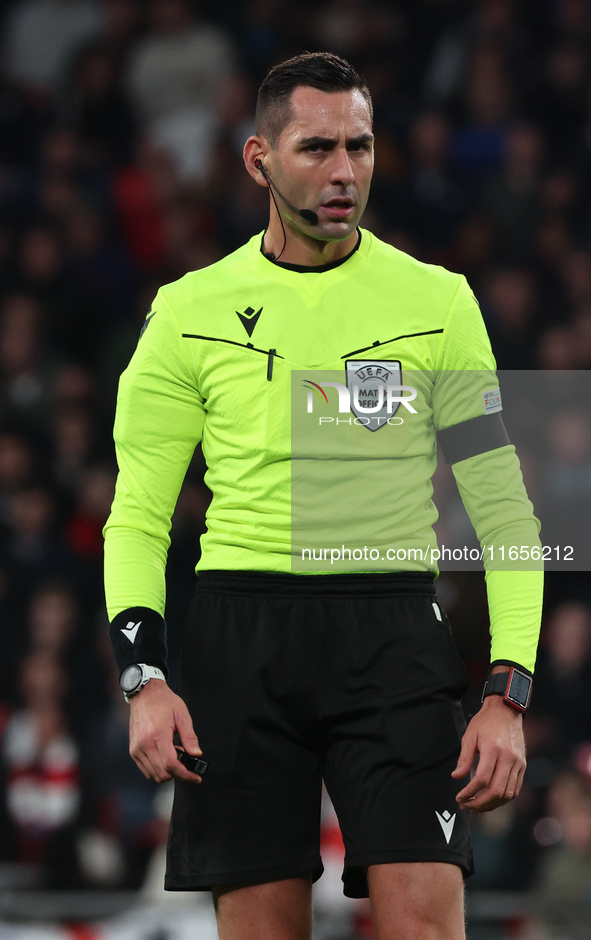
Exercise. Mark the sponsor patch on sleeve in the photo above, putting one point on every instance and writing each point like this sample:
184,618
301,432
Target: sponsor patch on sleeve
492,401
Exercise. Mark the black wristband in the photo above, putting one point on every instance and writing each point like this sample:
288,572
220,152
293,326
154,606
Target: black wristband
510,662
138,635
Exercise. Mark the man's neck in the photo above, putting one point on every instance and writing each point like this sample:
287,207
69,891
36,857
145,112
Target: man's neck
304,250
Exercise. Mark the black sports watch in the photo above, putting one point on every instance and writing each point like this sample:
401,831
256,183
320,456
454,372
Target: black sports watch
135,677
514,686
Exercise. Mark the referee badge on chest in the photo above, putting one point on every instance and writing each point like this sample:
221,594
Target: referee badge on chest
368,381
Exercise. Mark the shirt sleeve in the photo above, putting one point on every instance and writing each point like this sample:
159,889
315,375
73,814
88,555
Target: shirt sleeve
467,406
493,492
159,422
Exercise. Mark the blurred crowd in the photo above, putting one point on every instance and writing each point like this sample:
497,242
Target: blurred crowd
121,129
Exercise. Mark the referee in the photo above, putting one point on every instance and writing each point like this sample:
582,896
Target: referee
294,678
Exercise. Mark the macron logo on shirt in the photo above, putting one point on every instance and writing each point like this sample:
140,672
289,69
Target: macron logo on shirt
130,631
249,319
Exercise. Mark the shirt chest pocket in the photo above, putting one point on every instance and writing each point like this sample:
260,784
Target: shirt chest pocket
247,400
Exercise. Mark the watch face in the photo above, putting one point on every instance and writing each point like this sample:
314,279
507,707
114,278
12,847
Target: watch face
130,678
519,689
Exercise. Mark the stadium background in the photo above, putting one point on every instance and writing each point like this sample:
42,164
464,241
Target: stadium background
121,128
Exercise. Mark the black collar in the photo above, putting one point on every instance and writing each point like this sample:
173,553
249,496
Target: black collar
312,268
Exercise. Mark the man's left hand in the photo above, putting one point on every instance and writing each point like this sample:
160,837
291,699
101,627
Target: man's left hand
495,733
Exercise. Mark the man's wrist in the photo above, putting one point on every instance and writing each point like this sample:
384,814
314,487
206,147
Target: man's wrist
507,664
147,691
138,635
496,703
511,684
136,676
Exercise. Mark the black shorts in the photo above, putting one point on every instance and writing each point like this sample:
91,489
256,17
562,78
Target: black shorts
291,679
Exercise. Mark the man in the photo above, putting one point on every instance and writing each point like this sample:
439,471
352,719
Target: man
291,678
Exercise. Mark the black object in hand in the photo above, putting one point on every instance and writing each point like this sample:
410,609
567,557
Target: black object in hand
194,764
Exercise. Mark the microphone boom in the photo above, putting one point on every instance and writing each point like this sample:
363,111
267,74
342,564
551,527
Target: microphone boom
308,214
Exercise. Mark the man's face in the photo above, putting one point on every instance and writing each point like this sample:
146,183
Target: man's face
324,161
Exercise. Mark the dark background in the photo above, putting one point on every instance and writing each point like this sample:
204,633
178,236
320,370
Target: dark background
121,128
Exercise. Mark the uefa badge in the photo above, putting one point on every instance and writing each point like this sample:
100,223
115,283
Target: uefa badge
368,381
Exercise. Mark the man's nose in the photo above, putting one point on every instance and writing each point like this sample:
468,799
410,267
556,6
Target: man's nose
342,168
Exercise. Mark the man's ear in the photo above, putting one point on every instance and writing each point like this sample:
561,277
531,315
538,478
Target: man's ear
256,148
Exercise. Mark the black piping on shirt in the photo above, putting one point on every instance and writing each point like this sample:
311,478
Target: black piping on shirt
473,437
269,353
217,339
388,341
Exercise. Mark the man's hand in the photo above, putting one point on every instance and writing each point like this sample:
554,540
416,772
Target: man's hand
496,734
155,714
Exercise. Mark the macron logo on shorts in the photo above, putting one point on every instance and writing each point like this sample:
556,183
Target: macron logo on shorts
446,821
130,631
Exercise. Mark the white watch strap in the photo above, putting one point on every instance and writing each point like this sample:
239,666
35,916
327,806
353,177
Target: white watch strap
151,672
148,672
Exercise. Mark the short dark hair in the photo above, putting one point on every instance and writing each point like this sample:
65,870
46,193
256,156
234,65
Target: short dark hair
322,70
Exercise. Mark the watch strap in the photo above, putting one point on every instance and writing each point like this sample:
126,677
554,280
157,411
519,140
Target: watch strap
152,672
148,672
514,686
495,685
